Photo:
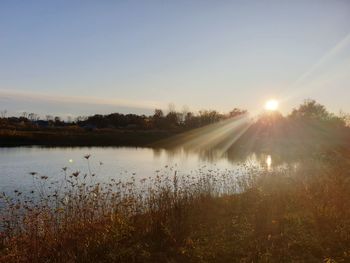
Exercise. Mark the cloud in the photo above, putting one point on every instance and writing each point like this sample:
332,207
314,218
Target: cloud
16,101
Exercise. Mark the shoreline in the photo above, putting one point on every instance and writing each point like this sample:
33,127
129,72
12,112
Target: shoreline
10,138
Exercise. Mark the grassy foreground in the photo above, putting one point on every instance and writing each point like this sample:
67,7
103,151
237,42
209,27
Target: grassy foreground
296,214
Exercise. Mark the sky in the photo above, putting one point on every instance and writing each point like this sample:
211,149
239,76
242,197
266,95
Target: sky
85,57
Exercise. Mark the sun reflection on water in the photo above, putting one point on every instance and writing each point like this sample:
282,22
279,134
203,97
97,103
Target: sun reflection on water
268,162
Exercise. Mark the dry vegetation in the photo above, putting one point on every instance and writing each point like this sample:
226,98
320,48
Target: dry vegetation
295,214
298,212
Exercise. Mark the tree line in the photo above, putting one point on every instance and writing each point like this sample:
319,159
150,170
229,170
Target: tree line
171,120
308,112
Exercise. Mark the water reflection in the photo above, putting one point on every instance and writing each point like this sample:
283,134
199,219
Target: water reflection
237,139
268,162
16,164
124,162
234,155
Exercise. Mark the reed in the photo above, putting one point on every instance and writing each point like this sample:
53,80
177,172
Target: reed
291,214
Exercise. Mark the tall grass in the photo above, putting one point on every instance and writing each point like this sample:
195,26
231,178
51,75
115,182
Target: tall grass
299,214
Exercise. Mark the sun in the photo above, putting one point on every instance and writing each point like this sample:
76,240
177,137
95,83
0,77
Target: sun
271,105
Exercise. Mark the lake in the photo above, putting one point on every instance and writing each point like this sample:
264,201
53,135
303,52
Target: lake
17,163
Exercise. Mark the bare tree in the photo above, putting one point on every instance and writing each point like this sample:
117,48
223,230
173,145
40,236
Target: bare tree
171,107
80,118
33,116
158,113
3,113
49,117
184,112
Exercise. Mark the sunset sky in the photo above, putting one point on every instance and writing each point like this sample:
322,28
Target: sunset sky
85,57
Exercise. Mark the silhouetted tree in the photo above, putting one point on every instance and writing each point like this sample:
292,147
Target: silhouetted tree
49,117
209,116
310,109
3,113
158,119
236,112
158,113
58,121
33,116
171,120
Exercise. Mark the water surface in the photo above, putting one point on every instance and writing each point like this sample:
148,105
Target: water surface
17,163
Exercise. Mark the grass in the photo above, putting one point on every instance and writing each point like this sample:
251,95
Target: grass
294,214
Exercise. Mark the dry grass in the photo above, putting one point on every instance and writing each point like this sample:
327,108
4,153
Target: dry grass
296,214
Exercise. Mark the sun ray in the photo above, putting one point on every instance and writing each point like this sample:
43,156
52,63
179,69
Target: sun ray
217,138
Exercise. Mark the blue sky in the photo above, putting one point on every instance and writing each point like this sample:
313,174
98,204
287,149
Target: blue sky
82,57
